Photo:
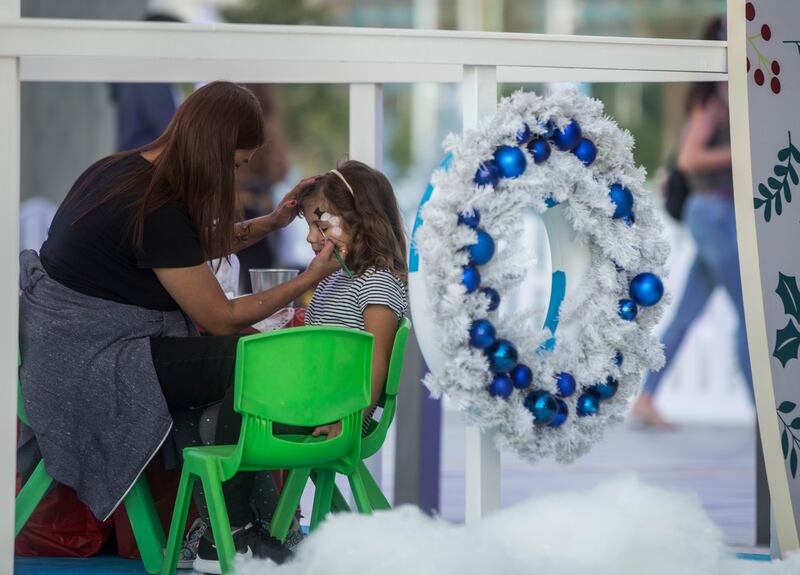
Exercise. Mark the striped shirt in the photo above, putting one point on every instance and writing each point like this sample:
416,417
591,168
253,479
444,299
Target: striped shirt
340,301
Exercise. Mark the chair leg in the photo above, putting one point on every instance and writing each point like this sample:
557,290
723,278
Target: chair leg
360,493
30,495
218,515
146,525
339,504
287,504
176,528
323,496
376,497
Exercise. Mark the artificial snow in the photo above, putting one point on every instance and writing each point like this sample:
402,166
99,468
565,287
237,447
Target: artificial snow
623,527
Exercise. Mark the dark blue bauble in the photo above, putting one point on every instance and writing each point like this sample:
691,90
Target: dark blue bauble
471,278
630,219
488,174
550,202
561,414
606,390
523,134
521,376
618,359
627,309
470,220
622,198
542,405
549,127
502,356
585,151
510,161
494,298
539,148
588,404
481,251
646,289
501,386
565,384
568,138
482,334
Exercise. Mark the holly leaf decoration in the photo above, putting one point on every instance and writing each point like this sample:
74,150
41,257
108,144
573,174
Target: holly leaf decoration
789,293
793,463
778,188
786,407
795,423
787,341
785,443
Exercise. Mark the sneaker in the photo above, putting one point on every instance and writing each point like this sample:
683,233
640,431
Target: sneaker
207,560
265,546
189,548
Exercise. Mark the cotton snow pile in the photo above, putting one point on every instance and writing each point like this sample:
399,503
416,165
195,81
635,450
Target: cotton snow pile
623,527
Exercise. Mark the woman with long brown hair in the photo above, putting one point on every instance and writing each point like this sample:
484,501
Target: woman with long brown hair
108,309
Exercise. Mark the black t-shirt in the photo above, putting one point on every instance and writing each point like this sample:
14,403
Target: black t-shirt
96,255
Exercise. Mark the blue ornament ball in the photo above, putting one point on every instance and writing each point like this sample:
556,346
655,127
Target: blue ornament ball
510,161
470,219
565,384
542,405
588,404
539,148
618,359
550,202
608,389
628,309
622,198
646,289
481,251
488,174
522,376
501,386
494,298
471,278
482,334
567,138
585,151
523,134
502,356
548,127
561,414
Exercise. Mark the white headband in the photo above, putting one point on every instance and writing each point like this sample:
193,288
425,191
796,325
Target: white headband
341,177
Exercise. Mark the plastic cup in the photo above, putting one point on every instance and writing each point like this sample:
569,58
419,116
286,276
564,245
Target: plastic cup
264,279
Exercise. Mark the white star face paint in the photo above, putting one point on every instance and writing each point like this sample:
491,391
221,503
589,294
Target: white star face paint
325,217
336,231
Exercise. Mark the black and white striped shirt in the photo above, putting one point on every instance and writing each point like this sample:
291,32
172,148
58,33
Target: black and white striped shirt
340,300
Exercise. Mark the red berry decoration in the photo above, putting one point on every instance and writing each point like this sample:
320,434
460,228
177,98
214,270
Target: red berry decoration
776,67
750,11
766,33
748,64
758,76
775,84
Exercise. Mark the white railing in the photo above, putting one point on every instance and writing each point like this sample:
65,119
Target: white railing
100,51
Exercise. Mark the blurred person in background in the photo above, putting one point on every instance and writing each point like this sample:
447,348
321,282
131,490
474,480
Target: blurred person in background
705,158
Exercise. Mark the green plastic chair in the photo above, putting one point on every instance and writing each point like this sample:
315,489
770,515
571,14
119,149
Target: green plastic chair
376,435
139,504
305,376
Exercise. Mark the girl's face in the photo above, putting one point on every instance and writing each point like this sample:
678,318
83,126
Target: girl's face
322,223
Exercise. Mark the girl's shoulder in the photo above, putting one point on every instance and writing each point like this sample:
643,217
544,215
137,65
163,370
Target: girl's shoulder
382,287
381,276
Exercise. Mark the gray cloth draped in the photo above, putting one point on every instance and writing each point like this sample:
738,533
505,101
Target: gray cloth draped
90,389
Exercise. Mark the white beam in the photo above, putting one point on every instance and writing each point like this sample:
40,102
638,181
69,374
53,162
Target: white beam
482,467
9,299
165,42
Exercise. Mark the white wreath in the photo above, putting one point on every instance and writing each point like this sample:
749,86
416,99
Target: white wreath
617,249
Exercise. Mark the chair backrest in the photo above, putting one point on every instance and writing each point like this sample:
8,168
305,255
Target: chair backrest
376,435
305,376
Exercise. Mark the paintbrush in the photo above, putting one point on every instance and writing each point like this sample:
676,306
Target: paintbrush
336,254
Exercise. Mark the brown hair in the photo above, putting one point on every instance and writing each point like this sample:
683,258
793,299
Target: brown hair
370,214
195,165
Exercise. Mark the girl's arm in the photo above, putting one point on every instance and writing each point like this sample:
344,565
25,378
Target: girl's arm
199,295
696,156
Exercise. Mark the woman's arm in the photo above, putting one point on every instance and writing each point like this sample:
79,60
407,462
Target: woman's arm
200,296
696,156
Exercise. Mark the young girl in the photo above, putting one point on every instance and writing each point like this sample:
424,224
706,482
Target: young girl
355,207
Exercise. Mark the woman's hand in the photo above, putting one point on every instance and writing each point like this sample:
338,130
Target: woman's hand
286,211
331,430
325,262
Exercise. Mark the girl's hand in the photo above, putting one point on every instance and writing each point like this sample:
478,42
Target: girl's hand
331,430
325,263
286,211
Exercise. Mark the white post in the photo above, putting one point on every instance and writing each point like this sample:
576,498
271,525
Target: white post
479,100
9,294
366,145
